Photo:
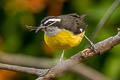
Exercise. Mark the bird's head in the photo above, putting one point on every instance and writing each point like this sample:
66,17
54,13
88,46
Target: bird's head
50,25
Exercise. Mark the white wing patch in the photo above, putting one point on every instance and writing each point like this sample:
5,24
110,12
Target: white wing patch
81,29
56,20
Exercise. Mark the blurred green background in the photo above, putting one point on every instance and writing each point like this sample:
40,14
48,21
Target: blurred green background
15,38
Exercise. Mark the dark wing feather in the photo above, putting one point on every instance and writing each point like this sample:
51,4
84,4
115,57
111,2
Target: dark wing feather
73,22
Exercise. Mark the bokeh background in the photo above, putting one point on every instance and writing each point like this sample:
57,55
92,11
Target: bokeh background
16,39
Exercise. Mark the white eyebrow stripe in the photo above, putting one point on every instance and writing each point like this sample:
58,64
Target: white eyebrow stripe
56,20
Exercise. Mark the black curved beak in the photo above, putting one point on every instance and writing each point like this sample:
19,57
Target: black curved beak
40,27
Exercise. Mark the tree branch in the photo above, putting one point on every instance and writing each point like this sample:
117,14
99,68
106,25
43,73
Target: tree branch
81,69
33,71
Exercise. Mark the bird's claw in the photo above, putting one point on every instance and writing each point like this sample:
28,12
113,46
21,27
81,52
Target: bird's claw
93,48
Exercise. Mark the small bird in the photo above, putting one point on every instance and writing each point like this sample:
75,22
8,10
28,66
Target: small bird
64,31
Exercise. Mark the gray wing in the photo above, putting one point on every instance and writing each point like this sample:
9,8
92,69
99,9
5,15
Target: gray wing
74,22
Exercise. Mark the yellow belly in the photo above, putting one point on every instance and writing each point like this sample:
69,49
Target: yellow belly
63,40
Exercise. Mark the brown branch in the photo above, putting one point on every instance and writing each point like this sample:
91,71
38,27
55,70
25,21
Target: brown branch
17,59
33,71
81,69
101,47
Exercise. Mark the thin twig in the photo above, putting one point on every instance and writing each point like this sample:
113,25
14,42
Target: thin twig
34,71
105,18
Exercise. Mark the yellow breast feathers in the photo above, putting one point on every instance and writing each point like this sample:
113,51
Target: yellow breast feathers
63,40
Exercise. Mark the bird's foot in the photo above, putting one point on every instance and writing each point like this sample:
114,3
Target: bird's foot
92,47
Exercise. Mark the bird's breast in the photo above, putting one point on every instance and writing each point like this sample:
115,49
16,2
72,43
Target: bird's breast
63,40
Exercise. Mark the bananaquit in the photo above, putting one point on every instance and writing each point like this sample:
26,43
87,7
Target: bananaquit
64,32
